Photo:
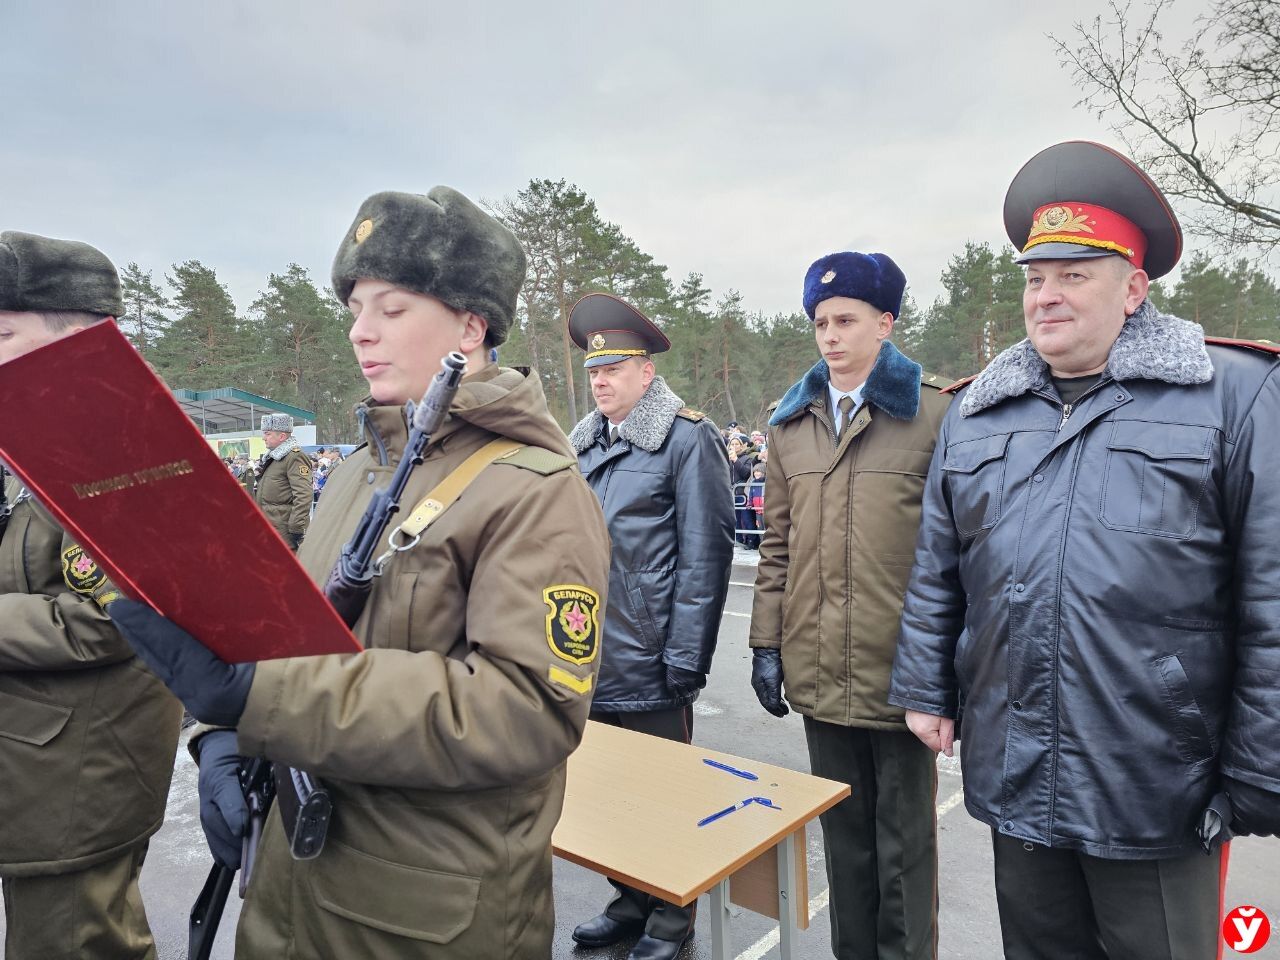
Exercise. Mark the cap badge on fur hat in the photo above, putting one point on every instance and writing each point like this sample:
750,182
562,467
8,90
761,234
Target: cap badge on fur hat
871,277
363,231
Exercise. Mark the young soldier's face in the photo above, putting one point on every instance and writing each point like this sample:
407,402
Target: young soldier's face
618,387
1074,310
23,332
849,334
400,338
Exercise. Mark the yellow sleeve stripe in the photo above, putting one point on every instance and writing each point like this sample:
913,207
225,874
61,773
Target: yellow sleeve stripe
567,679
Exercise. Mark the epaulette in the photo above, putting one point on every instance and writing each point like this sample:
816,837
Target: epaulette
928,379
688,413
539,460
960,383
1262,346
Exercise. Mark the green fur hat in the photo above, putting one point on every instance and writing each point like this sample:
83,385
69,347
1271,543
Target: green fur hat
39,274
440,244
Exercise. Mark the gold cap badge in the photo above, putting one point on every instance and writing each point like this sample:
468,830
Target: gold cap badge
828,276
363,231
597,342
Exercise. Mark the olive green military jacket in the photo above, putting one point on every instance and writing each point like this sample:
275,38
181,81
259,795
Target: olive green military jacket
444,743
841,519
87,733
283,493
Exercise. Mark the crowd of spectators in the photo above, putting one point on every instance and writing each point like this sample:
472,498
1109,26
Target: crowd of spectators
748,454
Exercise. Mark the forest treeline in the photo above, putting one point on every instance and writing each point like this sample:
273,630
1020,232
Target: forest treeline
290,343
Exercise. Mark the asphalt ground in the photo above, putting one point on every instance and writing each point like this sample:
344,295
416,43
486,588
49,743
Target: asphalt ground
727,718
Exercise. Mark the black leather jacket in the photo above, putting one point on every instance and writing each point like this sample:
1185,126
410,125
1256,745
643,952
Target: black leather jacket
1098,595
669,511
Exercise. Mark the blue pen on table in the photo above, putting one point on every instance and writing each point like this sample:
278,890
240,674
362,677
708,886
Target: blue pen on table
763,801
744,774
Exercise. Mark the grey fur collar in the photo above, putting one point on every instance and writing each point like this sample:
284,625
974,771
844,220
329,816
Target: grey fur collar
1151,346
646,426
282,451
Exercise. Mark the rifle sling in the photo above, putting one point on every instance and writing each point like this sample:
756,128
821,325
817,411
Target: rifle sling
451,487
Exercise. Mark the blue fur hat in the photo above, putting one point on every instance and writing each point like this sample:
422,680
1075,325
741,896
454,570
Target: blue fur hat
871,277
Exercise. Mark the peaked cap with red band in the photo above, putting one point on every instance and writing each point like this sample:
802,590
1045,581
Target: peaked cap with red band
1079,199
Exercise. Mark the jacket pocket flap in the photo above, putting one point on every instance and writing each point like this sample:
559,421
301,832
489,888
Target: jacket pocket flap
405,901
915,462
1162,441
966,456
31,721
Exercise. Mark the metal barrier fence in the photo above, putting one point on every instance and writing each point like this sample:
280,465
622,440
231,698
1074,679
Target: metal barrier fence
744,506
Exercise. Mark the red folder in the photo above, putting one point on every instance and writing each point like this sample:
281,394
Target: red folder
100,441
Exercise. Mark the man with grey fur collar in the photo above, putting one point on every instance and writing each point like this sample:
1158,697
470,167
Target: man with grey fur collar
283,489
662,476
849,447
1093,594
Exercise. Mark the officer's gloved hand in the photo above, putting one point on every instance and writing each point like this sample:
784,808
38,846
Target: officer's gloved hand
213,690
1254,811
294,540
683,682
224,813
766,680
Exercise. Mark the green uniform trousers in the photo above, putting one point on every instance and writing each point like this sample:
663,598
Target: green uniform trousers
1066,905
91,914
881,842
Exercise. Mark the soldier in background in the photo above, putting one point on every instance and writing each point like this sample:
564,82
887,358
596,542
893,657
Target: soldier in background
283,487
849,447
662,475
87,734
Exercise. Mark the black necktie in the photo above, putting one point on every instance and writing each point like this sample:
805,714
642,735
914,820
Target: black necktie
613,434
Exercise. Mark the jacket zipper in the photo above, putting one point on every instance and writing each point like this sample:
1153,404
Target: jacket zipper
1066,414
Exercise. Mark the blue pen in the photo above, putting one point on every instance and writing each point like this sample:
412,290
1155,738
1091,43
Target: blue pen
763,801
744,774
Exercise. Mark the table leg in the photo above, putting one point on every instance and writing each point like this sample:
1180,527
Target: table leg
786,891
720,945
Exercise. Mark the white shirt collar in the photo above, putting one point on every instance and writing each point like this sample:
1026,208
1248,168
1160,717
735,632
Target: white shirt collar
855,393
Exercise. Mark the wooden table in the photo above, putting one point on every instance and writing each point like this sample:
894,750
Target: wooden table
631,811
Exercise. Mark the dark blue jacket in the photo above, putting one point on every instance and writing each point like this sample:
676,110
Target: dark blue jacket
1095,591
664,487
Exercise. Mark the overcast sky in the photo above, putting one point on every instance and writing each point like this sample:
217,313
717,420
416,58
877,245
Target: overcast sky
738,139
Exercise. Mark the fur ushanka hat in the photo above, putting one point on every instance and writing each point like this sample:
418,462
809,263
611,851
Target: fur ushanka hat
440,244
39,274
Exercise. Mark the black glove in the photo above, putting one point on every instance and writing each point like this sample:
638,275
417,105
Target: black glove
683,682
223,811
213,690
294,540
766,680
1256,812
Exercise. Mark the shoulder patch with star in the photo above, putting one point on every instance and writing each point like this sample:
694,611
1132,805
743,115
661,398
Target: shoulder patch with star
80,571
573,622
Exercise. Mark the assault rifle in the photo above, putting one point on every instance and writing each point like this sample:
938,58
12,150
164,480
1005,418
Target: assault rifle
305,805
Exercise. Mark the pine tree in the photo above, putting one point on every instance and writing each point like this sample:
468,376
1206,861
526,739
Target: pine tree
303,354
206,345
143,320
